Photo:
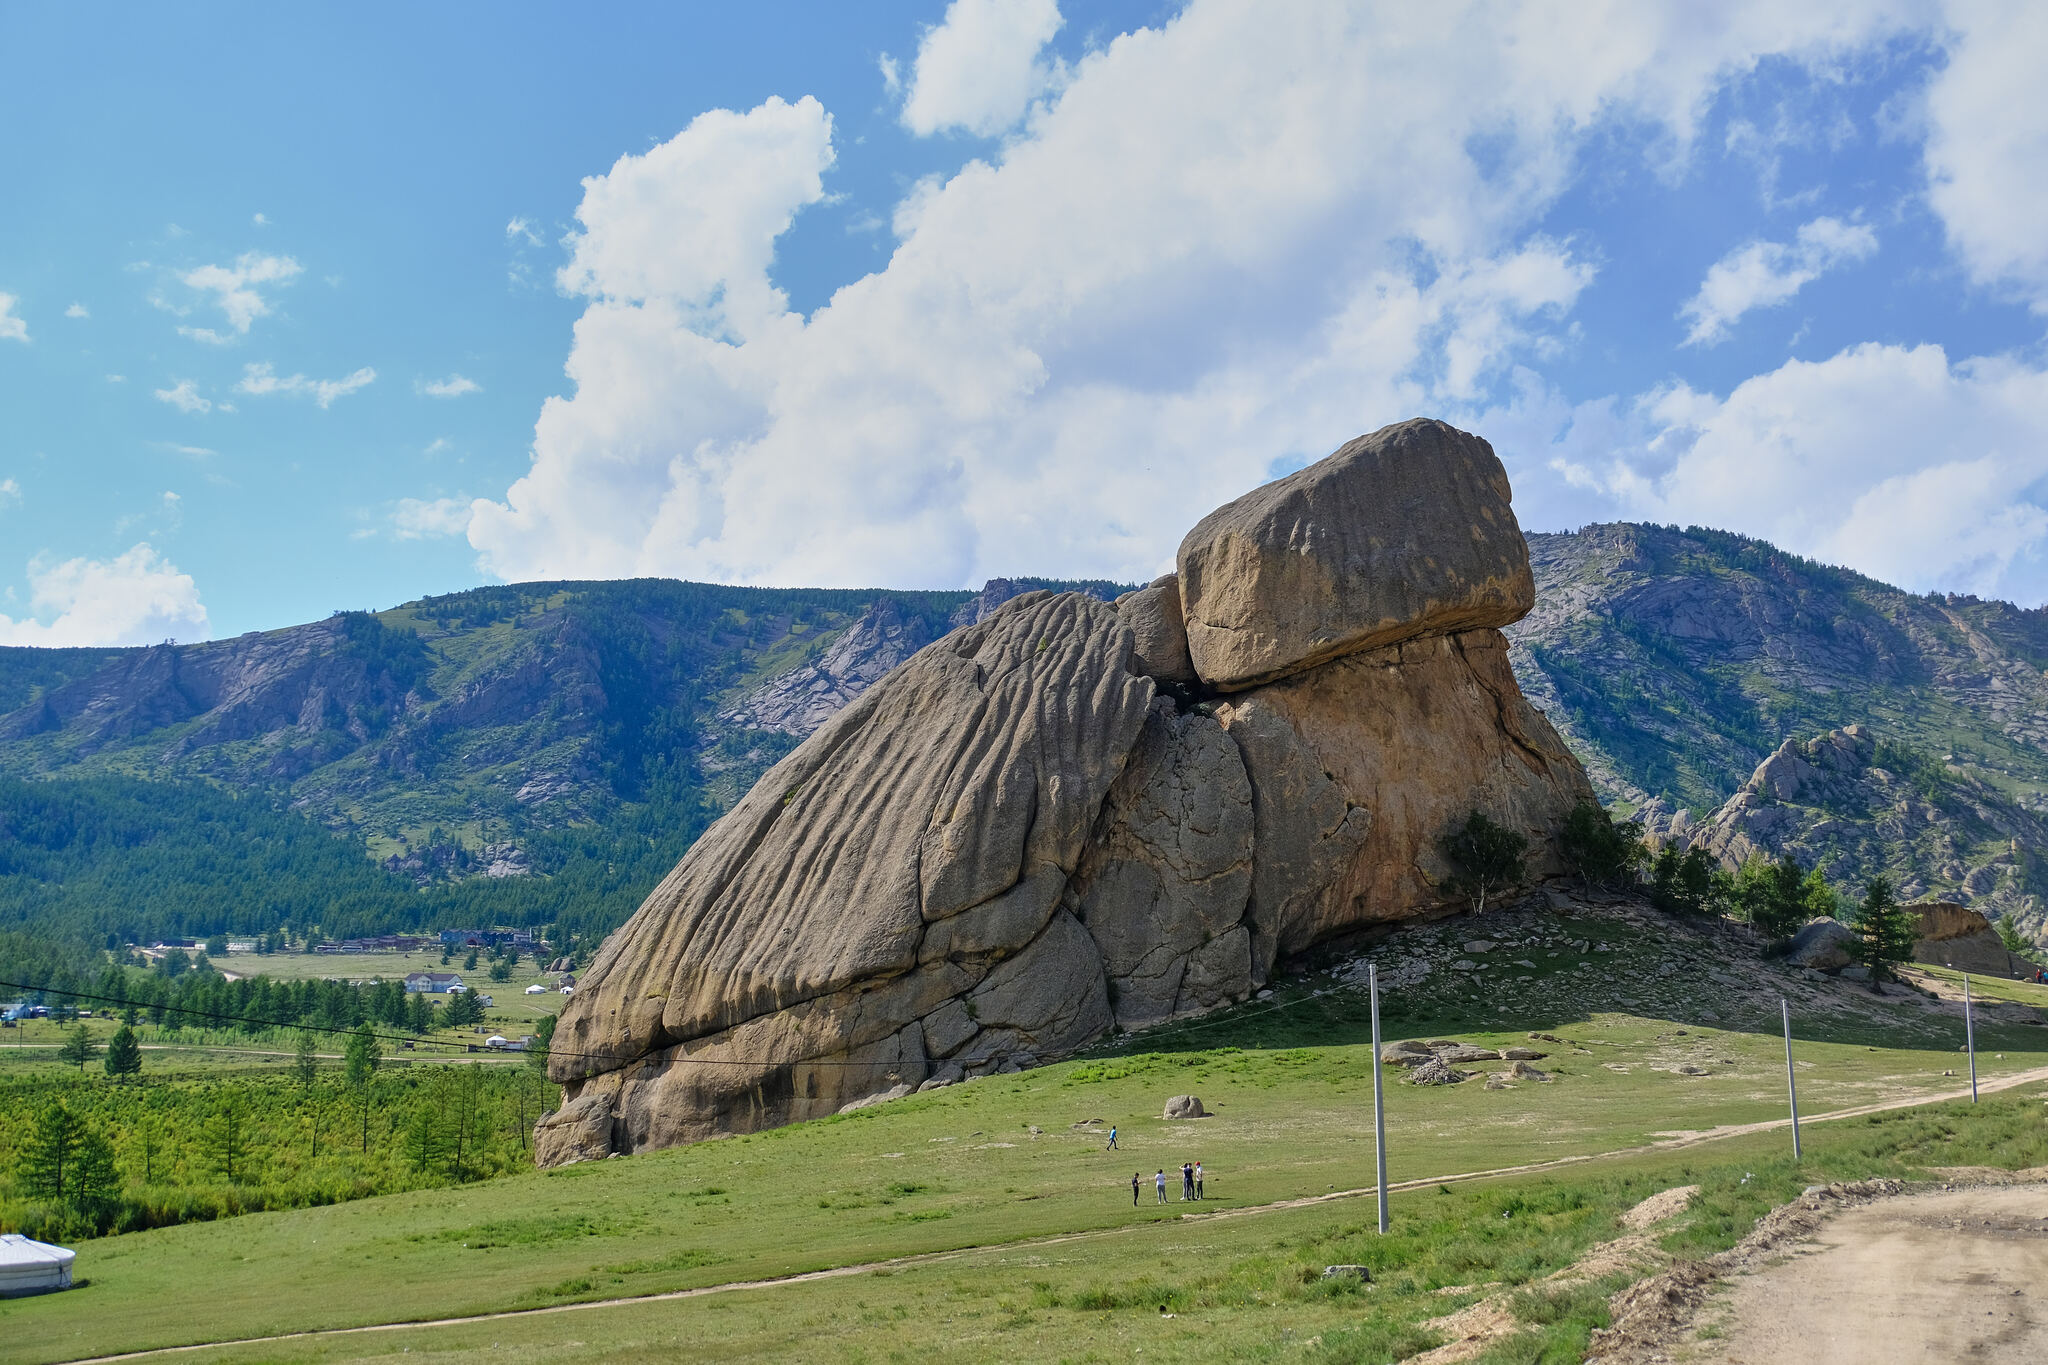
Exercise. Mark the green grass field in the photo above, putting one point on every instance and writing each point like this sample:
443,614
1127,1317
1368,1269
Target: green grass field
1290,1082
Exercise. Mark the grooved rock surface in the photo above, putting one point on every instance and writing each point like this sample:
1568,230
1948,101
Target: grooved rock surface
1169,871
1420,733
1403,533
910,852
1154,616
963,785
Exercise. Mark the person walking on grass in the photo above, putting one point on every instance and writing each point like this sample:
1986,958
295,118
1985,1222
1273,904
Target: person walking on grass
1159,1180
1187,1182
1112,1139
1134,1189
1198,1180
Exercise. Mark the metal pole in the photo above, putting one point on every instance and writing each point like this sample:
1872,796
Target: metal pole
1970,1036
1379,1114
1791,1082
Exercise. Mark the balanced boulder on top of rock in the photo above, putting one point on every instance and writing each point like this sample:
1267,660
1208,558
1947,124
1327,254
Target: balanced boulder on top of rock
1406,532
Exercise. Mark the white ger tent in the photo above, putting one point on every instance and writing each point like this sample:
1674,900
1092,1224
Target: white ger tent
29,1267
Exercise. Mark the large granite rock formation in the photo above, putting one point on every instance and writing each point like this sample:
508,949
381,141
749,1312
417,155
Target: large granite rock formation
1017,839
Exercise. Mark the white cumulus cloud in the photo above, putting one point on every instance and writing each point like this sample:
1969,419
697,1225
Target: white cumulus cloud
420,518
10,493
135,598
1893,460
12,326
238,289
184,396
262,379
1236,239
454,386
978,69
1987,142
1764,274
77,310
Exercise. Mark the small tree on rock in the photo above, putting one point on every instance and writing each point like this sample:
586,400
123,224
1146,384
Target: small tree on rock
1884,931
1484,857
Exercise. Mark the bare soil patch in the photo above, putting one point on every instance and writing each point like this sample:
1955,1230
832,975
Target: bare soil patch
1856,1273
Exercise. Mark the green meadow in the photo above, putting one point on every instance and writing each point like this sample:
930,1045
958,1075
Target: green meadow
1043,1254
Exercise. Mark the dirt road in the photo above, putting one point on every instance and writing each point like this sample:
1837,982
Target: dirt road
1948,1276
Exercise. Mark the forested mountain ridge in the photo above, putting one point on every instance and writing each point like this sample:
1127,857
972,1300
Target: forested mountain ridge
1676,663
583,732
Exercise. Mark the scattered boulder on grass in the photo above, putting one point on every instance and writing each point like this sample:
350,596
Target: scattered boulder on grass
580,1130
1522,1071
1185,1107
1436,1071
1521,1054
1826,945
1407,1052
1346,1272
1459,1053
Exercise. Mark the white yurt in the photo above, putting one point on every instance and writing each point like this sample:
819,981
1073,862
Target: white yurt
31,1267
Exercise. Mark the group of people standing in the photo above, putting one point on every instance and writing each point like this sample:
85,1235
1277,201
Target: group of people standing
1190,1182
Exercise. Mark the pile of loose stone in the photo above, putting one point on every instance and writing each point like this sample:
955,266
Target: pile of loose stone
1436,1062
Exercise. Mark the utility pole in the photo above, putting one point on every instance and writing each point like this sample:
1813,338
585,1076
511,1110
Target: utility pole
1379,1113
1791,1082
1970,1036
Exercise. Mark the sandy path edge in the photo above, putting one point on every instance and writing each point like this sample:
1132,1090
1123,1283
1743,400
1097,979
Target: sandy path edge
1658,1313
1989,1085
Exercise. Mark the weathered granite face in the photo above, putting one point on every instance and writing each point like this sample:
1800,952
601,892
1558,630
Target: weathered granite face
1164,884
1153,614
1400,534
1358,766
1012,843
931,825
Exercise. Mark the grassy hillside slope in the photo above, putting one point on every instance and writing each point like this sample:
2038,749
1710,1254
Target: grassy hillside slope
1664,1028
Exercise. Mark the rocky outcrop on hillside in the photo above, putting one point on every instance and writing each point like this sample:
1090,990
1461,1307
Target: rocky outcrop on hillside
1038,827
799,701
1951,935
1851,806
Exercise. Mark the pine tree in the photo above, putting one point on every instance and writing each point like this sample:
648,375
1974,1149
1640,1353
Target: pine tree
95,1180
230,1138
124,1054
2009,934
360,1057
422,1139
305,1062
78,1047
1885,932
45,1164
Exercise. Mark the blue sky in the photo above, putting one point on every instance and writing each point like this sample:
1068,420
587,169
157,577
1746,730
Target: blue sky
336,306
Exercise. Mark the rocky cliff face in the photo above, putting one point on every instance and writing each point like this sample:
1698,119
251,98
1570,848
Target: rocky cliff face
1056,819
1853,807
